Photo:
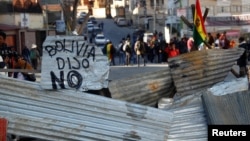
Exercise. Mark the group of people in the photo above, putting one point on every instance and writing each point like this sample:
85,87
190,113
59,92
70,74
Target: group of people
11,59
157,50
139,52
220,41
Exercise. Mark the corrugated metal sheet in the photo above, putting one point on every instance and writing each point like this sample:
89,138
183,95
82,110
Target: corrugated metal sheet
190,120
190,124
68,115
201,69
228,103
143,88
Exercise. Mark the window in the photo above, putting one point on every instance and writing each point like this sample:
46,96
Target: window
245,8
157,2
235,8
223,9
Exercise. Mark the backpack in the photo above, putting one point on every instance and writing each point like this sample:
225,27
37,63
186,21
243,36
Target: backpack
140,46
113,49
127,48
121,47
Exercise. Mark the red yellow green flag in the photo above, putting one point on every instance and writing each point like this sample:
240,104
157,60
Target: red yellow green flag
199,32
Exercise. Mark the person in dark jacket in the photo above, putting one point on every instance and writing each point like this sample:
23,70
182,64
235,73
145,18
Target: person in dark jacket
242,61
4,50
26,54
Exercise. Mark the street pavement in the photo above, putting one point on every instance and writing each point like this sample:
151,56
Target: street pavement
113,32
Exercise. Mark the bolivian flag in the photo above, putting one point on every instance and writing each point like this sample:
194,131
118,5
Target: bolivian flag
199,33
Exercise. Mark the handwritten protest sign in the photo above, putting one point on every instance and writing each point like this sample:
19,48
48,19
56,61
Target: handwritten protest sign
71,62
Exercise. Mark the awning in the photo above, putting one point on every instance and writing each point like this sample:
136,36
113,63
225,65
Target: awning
6,27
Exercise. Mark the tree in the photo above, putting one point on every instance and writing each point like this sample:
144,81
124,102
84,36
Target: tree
70,16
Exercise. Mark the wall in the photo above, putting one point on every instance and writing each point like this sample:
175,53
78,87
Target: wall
34,20
7,19
30,38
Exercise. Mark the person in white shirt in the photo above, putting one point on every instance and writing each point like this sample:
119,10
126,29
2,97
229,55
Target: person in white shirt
2,66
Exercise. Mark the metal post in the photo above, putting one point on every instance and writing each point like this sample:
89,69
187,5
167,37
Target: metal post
145,17
47,20
171,23
154,15
138,16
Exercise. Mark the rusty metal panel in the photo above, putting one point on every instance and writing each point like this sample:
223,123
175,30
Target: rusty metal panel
143,88
65,115
201,69
228,103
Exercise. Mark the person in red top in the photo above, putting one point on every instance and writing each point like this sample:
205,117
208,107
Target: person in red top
171,50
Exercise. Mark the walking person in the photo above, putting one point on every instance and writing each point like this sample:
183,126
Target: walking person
111,53
102,25
121,52
139,50
128,51
34,56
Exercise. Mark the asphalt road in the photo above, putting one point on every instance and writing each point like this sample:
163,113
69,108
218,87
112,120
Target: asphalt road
113,32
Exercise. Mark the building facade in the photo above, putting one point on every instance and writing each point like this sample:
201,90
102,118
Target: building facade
24,23
232,16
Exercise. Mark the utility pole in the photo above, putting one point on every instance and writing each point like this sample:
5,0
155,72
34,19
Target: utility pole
154,15
145,15
171,23
47,19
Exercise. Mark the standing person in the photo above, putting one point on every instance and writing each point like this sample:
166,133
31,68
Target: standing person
217,41
2,46
224,42
4,50
242,61
26,54
190,43
131,22
128,51
2,65
172,51
34,56
111,53
104,49
183,45
121,52
139,50
232,43
102,25
20,63
210,39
